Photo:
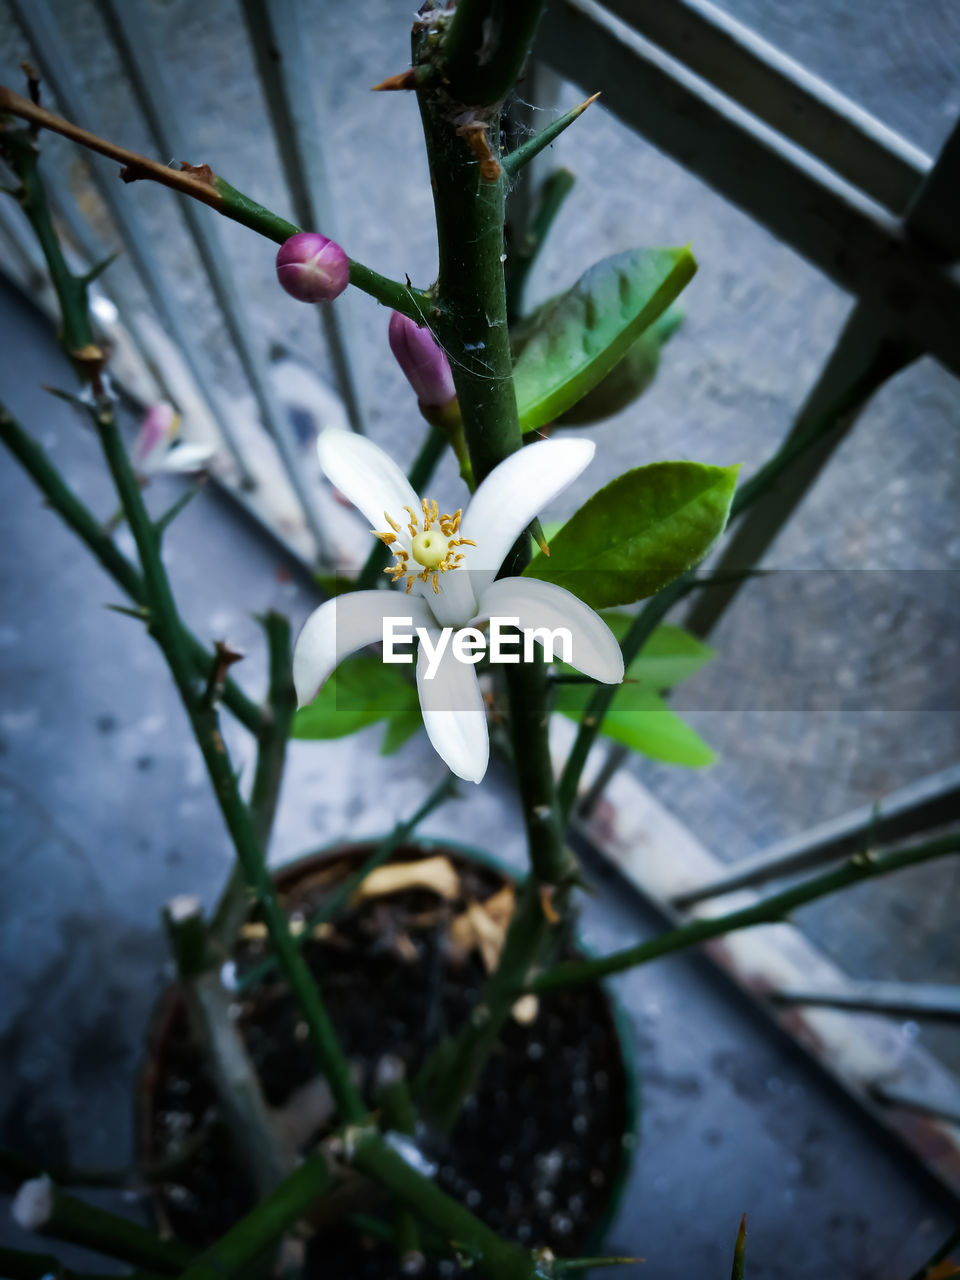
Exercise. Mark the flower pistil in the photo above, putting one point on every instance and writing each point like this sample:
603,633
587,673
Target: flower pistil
433,547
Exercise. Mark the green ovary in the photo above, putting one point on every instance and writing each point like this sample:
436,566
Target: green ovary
430,548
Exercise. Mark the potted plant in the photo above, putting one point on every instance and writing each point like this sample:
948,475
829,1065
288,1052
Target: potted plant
396,1057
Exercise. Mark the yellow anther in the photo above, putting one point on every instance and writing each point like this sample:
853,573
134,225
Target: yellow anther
436,585
409,584
385,538
391,522
436,509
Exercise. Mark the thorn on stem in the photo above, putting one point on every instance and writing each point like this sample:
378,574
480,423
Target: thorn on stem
474,133
224,657
412,78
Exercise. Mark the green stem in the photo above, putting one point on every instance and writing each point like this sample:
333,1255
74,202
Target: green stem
165,626
255,1138
484,49
373,1156
471,325
424,465
232,203
272,740
261,1228
768,911
397,1115
337,901
41,1206
77,334
200,183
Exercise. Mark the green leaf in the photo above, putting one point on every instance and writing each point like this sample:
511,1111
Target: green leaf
628,379
639,532
642,721
361,691
334,584
670,656
576,338
402,726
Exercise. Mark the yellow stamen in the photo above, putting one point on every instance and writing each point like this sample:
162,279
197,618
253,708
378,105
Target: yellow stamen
392,523
385,538
436,585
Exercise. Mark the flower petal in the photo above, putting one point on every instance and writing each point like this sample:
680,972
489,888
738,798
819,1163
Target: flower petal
342,625
455,603
453,713
186,457
512,494
366,475
595,650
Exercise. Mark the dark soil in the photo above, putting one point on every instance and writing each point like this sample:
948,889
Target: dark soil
538,1148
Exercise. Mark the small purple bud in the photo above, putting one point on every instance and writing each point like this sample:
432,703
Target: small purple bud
422,360
158,429
312,268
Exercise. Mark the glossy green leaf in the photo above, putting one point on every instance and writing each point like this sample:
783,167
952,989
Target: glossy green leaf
641,720
575,339
361,691
628,379
639,532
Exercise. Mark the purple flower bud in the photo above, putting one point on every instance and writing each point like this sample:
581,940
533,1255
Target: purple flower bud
312,268
422,360
158,429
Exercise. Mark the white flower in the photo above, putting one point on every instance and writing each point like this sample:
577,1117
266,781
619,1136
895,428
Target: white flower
449,566
157,448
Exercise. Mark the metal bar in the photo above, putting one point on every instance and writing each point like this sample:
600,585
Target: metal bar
274,28
925,1001
50,52
782,93
863,359
127,26
836,227
934,215
919,807
866,355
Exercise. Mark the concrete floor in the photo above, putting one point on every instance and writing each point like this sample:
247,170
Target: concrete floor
104,815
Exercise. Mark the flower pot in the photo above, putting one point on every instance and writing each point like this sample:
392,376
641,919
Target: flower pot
541,1148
